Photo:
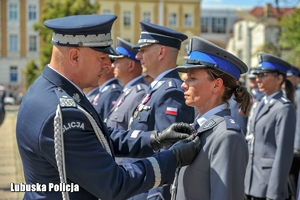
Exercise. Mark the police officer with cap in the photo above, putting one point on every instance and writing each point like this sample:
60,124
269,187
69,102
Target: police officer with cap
219,169
271,133
163,103
256,94
293,75
128,70
66,149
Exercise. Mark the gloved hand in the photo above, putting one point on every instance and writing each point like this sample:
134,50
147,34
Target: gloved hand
175,132
185,151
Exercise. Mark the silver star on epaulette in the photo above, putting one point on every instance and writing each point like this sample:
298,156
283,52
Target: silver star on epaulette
76,97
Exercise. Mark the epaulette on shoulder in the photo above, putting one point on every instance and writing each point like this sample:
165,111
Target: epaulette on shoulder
170,84
231,124
139,88
284,100
64,99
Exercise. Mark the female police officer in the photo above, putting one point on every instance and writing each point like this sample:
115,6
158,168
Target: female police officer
218,170
271,133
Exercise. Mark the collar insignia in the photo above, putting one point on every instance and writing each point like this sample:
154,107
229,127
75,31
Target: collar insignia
76,97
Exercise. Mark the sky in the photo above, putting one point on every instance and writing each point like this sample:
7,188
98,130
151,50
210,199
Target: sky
248,3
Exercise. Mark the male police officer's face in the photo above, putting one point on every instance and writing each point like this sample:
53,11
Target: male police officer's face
92,65
148,55
121,68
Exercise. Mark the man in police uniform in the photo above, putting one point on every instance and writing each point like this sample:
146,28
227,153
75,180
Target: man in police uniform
271,133
164,102
108,92
63,141
128,70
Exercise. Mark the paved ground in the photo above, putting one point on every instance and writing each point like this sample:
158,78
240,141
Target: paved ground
10,164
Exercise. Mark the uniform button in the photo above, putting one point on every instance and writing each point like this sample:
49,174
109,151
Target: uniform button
139,118
115,117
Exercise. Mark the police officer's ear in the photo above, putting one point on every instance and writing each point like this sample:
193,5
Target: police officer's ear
162,51
131,66
73,56
218,83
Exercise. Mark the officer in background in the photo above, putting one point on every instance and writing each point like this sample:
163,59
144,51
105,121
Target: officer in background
91,92
218,171
128,70
164,102
293,75
256,94
271,133
108,92
68,144
2,104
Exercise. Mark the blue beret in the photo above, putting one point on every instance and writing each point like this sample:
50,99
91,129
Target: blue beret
270,63
203,54
83,31
156,34
294,71
124,48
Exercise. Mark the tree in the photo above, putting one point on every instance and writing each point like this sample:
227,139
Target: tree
290,37
31,72
55,9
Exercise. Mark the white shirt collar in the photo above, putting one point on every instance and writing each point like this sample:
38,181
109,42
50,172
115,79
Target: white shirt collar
268,98
153,83
202,119
130,83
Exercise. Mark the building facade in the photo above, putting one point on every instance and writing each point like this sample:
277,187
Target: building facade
217,23
179,15
254,31
19,42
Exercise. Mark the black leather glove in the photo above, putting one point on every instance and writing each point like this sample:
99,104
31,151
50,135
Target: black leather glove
185,151
175,132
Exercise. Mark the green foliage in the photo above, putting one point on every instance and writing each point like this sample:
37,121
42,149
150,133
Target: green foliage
55,9
31,72
290,35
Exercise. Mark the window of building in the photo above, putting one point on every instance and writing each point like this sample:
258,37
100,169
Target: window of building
240,32
204,24
13,42
147,16
173,19
106,11
219,25
127,18
32,43
32,12
188,20
13,73
13,11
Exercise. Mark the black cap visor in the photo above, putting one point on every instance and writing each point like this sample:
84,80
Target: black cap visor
108,50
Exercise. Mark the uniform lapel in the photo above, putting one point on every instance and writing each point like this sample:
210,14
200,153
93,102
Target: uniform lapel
266,107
